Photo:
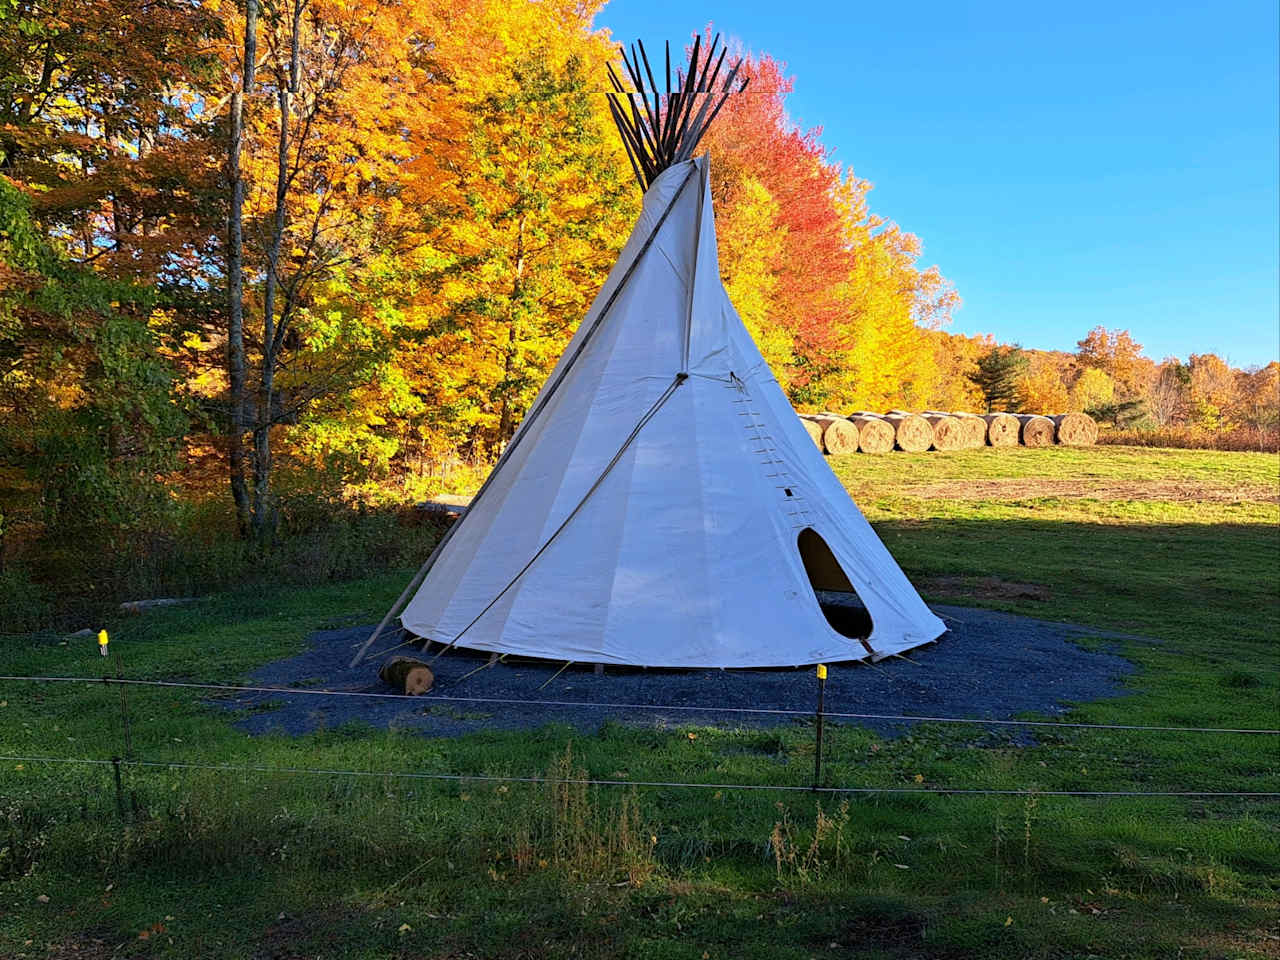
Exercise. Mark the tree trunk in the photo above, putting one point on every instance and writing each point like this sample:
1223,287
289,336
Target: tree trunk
273,331
235,274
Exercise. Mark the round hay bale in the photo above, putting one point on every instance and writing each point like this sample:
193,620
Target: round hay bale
1075,429
948,432
875,435
911,433
1036,431
838,434
973,428
813,429
1003,429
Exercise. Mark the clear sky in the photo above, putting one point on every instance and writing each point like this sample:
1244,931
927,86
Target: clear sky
1066,165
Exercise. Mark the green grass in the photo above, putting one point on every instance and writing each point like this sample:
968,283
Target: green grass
1178,547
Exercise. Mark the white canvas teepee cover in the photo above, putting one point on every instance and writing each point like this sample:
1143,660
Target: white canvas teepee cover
647,510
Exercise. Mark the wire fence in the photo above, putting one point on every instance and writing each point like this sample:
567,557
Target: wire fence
1127,765
669,707
588,781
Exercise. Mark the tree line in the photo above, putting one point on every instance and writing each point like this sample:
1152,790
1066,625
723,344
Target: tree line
263,254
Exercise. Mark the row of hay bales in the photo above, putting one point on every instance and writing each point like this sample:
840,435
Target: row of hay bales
937,430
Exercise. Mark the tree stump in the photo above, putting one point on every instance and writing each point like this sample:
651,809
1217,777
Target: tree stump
411,677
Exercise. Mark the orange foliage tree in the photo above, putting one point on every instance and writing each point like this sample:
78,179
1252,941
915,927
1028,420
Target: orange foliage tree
524,227
830,290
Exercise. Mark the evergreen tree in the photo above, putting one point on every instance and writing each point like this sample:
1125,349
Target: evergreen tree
997,377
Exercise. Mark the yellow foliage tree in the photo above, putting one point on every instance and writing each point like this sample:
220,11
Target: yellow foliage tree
1093,388
749,243
1042,388
526,225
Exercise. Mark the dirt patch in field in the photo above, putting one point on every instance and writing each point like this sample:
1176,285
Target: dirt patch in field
983,588
1261,943
294,936
1026,488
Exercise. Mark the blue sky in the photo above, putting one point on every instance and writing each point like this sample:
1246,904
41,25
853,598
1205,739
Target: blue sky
1066,165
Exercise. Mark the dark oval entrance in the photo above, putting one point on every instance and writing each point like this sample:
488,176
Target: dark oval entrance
834,593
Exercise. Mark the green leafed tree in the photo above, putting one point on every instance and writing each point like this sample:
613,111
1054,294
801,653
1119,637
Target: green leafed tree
88,418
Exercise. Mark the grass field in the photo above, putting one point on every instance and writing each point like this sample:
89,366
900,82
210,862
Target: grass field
1179,548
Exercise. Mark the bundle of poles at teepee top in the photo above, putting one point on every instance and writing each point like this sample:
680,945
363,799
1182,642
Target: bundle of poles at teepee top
868,432
662,128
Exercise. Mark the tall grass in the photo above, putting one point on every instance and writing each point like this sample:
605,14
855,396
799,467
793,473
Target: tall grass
66,582
1244,439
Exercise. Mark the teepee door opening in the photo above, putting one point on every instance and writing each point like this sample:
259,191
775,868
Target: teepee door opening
838,600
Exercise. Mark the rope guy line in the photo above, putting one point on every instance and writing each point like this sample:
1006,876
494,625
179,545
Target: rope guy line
761,787
585,704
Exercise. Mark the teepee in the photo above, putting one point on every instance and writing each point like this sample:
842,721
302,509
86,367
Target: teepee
661,504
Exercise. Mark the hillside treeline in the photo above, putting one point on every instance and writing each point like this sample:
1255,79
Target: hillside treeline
263,260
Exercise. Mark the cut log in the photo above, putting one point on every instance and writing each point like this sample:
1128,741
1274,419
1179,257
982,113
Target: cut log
911,433
875,434
1036,431
409,676
814,430
1075,429
838,434
948,432
1003,429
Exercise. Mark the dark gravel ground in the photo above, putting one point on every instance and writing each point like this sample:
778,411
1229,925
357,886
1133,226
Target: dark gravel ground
989,665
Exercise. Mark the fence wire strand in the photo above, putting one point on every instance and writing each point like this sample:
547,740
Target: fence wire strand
587,781
687,708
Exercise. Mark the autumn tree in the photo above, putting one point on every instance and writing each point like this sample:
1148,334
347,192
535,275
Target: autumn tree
1212,390
750,241
1258,396
1117,355
831,291
753,139
1093,388
1170,392
87,408
955,359
1040,387
100,123
330,101
541,206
